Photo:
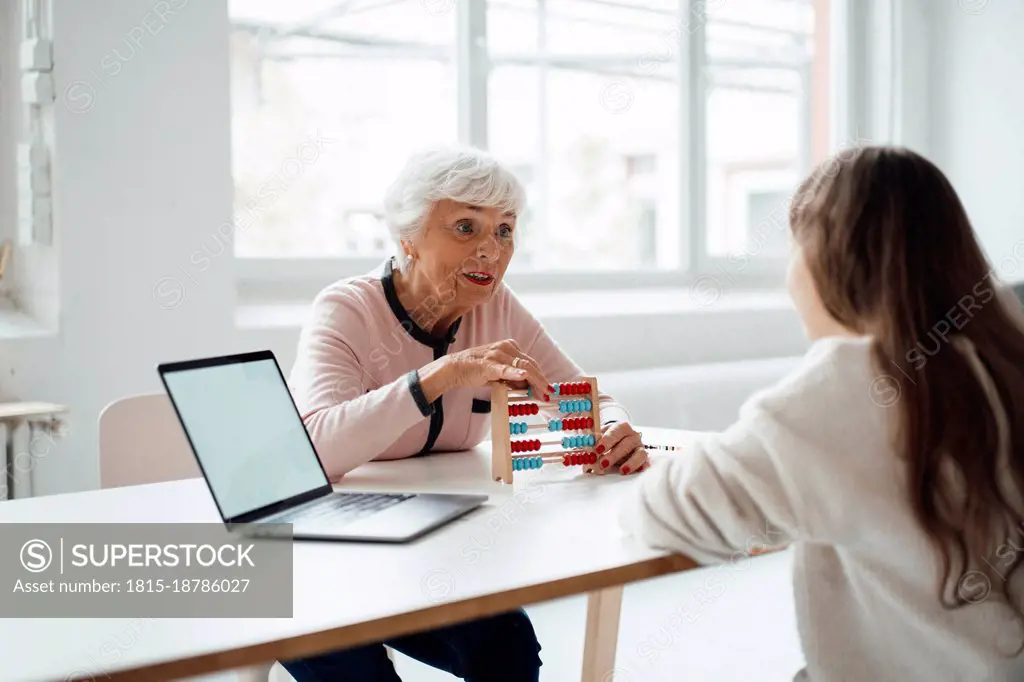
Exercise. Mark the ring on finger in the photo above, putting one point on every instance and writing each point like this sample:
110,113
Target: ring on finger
515,362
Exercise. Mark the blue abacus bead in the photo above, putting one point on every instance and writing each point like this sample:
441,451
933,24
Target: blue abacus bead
523,427
537,462
565,441
590,404
591,440
529,391
558,389
515,465
576,406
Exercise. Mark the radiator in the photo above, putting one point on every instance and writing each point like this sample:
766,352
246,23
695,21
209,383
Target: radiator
27,443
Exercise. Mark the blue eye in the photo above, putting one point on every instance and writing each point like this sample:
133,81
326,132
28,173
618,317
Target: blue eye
464,227
505,231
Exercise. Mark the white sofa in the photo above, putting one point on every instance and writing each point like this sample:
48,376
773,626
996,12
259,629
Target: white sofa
697,397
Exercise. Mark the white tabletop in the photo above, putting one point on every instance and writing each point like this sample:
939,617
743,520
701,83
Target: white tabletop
550,535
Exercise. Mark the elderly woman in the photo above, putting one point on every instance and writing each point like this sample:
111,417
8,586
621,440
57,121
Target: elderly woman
398,362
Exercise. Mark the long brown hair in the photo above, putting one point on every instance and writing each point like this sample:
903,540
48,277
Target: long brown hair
893,255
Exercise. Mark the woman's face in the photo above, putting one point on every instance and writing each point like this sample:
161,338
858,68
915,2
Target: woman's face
465,249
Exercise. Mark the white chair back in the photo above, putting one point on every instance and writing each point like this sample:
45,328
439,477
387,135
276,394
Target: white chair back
141,441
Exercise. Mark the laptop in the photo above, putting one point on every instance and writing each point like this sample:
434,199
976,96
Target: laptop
262,469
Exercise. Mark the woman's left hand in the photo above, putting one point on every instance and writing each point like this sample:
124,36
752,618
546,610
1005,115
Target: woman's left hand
621,446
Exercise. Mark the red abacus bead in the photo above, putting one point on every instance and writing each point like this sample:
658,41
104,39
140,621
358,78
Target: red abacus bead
590,422
536,409
575,458
536,445
593,458
565,460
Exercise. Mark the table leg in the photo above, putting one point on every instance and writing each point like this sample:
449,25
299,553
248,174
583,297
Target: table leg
602,634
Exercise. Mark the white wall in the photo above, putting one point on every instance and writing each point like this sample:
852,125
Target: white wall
142,174
977,106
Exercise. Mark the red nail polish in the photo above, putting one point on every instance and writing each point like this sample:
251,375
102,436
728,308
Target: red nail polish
600,449
640,468
547,398
604,464
625,470
551,389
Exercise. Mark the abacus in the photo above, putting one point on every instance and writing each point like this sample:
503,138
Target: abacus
577,427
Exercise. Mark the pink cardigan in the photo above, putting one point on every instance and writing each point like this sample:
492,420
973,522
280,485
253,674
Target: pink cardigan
351,378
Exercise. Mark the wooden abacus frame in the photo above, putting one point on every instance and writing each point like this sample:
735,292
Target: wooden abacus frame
502,397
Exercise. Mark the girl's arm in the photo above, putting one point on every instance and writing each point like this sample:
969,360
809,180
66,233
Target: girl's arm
722,497
776,475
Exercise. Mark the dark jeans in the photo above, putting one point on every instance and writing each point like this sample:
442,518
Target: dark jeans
501,648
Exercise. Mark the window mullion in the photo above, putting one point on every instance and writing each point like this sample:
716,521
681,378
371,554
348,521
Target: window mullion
472,71
692,133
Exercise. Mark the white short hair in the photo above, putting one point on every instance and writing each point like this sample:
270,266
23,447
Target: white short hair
463,174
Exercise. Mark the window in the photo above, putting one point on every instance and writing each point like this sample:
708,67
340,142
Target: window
652,135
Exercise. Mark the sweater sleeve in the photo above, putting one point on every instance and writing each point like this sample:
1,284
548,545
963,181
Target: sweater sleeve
768,479
724,496
556,365
349,422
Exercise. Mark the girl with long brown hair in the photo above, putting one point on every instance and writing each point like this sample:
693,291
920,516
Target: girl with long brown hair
892,459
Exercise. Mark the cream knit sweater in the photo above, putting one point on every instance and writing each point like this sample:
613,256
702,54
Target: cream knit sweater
811,462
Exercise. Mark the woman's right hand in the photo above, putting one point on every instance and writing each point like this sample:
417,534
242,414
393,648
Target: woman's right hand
478,366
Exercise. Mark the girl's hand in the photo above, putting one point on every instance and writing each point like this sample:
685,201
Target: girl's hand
502,361
621,446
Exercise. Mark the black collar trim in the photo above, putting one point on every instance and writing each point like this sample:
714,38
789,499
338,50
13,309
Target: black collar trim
387,280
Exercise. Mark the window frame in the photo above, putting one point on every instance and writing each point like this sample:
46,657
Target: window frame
290,278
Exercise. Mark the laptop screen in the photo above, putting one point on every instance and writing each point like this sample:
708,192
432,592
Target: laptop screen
249,439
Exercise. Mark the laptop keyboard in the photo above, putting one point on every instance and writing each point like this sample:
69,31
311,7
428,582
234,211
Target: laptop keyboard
343,507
